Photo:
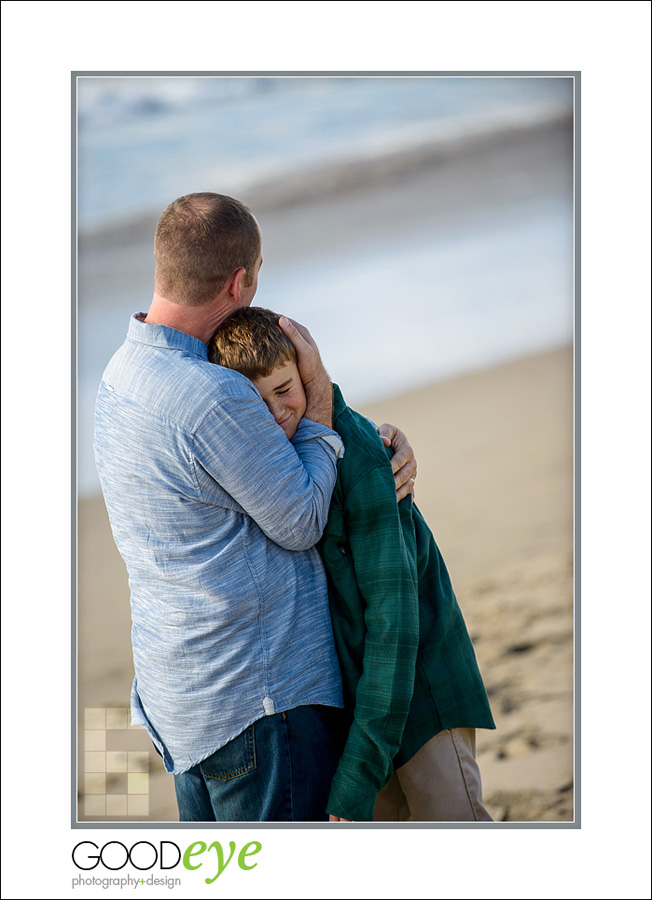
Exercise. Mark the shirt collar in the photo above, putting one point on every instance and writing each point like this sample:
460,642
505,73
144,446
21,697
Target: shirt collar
165,337
339,404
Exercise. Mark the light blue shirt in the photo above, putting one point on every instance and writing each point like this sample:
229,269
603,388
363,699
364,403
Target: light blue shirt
216,515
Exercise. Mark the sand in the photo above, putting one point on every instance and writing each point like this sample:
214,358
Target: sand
495,482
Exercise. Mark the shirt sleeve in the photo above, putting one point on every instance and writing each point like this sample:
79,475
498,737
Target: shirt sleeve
284,486
384,559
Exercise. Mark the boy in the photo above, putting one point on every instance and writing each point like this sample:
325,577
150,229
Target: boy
412,688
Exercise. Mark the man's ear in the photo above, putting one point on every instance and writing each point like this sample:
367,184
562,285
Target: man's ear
235,283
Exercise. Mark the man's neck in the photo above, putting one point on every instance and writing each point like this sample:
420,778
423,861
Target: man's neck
198,321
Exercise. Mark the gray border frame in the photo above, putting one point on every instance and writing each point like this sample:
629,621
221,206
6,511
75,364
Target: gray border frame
576,76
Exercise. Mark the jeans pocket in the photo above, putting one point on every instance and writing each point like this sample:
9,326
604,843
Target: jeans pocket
234,759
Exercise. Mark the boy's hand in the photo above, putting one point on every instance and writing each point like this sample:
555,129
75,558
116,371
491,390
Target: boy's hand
316,383
337,819
404,465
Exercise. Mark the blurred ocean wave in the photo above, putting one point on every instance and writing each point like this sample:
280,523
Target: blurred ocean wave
112,101
277,141
371,162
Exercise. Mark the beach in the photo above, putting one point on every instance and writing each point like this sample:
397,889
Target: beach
495,483
438,286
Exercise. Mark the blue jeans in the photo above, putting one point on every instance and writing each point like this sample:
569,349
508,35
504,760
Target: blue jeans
278,770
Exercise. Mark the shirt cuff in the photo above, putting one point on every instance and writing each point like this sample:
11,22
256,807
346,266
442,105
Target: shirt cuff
335,442
308,429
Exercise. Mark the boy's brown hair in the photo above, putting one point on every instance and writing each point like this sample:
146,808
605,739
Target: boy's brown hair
251,342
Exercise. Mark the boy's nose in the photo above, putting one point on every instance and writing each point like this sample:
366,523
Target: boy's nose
277,411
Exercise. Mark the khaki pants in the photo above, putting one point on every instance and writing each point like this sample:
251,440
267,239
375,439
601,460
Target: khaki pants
441,783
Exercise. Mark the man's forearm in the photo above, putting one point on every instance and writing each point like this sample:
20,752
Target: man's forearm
319,401
285,487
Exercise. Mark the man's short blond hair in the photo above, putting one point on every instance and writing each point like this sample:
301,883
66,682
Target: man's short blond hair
251,342
201,239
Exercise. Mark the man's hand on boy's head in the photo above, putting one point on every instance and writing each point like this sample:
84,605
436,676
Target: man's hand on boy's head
404,465
316,382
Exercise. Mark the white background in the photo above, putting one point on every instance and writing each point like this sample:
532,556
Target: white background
608,42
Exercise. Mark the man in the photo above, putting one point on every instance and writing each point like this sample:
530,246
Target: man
217,515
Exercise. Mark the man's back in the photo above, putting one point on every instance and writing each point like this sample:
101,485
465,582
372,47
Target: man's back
209,506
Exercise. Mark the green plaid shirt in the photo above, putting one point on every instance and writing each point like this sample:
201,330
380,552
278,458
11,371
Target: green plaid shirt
408,666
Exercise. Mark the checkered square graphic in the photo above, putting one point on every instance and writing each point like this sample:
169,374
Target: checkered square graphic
116,782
